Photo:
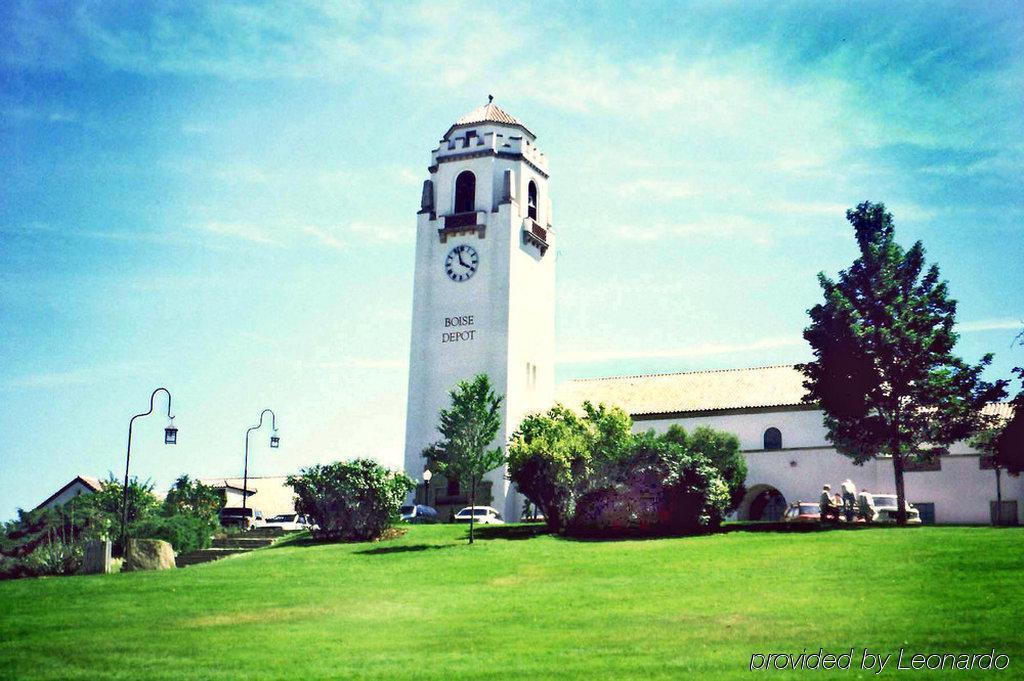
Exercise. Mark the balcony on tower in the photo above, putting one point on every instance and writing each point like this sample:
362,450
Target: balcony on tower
535,235
467,222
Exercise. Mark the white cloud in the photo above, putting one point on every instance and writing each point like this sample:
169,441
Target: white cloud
239,231
1005,324
325,237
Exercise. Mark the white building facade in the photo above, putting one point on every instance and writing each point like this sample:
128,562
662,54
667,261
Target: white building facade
484,285
787,451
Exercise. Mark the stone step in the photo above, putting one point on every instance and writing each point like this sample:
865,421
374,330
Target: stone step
242,542
264,532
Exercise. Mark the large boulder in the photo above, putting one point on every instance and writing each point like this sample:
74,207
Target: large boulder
148,554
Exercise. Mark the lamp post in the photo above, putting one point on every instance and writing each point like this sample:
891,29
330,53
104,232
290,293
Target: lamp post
170,438
427,475
275,441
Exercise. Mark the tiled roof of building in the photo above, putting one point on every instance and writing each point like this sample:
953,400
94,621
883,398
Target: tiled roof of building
489,113
272,494
694,391
698,391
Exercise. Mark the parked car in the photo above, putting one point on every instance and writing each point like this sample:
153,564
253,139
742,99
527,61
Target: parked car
885,510
289,522
418,514
245,518
802,512
485,515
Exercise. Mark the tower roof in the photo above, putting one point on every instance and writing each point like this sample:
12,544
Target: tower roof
488,113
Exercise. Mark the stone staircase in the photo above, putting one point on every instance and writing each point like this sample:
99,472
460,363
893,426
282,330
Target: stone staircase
232,545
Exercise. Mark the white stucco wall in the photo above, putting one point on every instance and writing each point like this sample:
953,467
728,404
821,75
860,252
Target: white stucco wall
961,490
76,489
510,297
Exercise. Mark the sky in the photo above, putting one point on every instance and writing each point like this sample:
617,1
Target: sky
220,198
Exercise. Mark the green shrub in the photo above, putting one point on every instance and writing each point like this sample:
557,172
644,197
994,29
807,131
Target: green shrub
658,488
722,450
184,531
350,500
53,556
589,474
552,456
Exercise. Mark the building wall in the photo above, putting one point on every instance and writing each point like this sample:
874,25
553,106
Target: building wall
510,297
77,489
961,490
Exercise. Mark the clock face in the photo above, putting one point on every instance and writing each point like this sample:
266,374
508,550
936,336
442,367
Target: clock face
461,262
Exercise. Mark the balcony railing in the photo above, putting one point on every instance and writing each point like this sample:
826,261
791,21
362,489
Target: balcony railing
460,220
536,235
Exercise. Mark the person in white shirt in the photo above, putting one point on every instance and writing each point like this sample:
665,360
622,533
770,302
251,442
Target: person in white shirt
866,506
849,499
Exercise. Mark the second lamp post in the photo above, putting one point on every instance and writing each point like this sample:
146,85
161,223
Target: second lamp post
274,442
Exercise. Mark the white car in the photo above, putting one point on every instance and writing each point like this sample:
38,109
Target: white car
289,522
484,515
885,510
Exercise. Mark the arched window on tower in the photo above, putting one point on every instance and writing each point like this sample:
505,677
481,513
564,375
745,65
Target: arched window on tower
465,192
773,439
531,201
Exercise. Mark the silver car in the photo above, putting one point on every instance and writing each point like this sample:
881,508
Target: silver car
885,510
484,515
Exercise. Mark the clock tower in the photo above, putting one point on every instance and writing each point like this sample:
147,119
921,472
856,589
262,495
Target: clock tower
484,287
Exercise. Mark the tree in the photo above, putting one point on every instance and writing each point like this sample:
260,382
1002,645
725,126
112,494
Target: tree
1009,446
553,456
192,497
722,450
884,371
1002,442
468,429
350,500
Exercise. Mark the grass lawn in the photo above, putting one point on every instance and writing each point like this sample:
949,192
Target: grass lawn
429,606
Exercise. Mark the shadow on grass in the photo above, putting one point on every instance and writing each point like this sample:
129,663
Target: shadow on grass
409,548
514,532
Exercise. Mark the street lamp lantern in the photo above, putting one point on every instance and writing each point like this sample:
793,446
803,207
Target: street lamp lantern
170,433
427,475
170,438
275,441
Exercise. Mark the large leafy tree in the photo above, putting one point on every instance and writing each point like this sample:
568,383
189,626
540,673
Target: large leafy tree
884,371
722,450
468,429
554,456
192,497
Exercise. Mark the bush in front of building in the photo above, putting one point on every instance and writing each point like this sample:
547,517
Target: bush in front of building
552,457
722,450
590,475
185,532
353,500
659,488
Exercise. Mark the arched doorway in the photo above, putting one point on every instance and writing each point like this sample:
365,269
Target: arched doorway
762,502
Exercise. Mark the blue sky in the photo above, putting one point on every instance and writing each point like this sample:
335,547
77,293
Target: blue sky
221,198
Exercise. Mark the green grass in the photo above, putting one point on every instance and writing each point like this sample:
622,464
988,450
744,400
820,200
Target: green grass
428,606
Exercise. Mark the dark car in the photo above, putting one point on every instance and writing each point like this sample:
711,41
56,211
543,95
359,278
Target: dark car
418,514
236,516
802,512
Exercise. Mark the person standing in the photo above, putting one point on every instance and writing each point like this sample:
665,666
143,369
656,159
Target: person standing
866,506
849,499
828,506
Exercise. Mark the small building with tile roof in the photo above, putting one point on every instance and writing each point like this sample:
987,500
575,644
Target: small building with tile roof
789,456
79,485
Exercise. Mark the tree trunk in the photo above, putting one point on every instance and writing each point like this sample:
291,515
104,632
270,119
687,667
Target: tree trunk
472,509
901,497
999,498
